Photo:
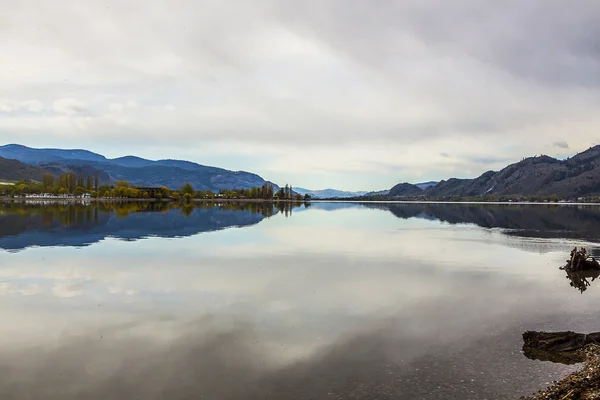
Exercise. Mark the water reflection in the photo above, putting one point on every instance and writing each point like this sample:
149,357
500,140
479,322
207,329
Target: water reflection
26,224
78,224
339,301
579,279
524,220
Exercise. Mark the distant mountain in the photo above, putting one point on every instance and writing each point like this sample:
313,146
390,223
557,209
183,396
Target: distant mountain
138,171
405,190
578,176
425,185
202,178
328,193
13,170
449,187
137,162
33,156
132,162
378,193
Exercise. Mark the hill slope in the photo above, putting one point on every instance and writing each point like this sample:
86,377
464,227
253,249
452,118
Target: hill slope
87,170
543,175
13,170
138,171
405,190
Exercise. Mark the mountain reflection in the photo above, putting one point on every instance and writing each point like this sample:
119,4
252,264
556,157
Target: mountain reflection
536,221
28,224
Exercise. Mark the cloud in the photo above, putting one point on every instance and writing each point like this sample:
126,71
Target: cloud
68,106
34,106
296,77
19,289
67,290
561,145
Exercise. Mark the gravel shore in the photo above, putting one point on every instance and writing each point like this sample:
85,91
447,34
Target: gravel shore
581,385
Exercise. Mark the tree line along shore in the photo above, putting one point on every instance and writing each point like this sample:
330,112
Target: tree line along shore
71,185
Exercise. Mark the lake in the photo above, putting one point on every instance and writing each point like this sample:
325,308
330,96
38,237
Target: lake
326,301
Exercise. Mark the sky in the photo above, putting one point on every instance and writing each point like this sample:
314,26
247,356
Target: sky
356,95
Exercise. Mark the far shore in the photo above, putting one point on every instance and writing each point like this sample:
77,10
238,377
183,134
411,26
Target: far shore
77,199
452,202
113,199
223,200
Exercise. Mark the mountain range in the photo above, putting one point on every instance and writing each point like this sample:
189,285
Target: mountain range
578,176
343,194
328,193
138,171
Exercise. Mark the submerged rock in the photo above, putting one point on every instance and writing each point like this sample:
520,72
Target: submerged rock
558,347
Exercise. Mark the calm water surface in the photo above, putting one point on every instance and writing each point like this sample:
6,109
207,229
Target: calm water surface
334,300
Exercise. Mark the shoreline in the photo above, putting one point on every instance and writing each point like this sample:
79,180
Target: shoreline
249,201
74,199
450,202
581,384
221,200
150,200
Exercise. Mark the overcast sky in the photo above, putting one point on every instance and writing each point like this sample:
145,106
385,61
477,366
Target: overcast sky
355,95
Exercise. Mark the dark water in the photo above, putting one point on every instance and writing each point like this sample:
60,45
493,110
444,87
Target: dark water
330,301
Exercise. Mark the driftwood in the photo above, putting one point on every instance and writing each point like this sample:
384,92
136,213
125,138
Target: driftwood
580,260
559,347
581,266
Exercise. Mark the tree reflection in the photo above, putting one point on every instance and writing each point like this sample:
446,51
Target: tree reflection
43,223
